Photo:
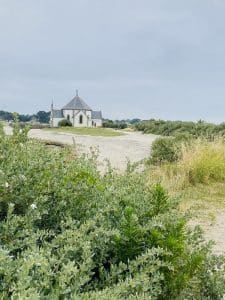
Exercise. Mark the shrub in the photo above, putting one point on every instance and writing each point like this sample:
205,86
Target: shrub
122,125
172,128
69,233
64,123
164,150
114,124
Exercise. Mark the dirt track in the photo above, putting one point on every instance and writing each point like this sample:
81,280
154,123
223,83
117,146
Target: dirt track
133,146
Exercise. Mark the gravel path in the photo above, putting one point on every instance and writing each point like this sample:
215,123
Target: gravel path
216,232
133,146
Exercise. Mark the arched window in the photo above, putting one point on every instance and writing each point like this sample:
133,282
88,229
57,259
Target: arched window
81,119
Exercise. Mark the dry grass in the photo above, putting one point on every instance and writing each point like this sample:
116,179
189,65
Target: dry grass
203,162
198,178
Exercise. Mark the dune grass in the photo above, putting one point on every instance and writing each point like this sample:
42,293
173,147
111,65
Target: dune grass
197,179
107,132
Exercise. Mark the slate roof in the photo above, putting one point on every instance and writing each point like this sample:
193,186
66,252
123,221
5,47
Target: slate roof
96,115
77,103
57,113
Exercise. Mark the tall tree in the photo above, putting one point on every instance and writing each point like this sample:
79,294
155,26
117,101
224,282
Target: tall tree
43,116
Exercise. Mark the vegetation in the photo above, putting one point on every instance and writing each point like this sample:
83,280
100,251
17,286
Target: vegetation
94,131
69,233
199,161
164,150
120,124
197,177
65,123
6,116
41,116
114,124
172,128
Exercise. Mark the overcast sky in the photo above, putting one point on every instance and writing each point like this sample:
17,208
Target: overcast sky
131,58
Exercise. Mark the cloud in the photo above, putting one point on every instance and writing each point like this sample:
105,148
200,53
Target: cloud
170,54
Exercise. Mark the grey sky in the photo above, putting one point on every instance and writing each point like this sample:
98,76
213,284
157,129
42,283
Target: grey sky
131,58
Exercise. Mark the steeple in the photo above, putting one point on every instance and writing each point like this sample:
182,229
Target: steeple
52,105
51,116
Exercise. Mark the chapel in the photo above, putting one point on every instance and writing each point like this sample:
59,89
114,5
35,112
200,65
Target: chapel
78,113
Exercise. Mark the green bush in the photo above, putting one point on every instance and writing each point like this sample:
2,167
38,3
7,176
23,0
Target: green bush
64,123
164,150
69,233
172,128
114,124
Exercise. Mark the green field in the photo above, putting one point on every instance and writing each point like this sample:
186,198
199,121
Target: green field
108,132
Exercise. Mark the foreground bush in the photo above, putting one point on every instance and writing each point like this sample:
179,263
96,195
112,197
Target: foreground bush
69,233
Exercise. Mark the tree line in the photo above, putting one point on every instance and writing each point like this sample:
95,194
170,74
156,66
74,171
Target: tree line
41,116
173,128
119,124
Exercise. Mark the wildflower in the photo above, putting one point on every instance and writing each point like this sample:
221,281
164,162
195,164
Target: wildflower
6,184
22,177
33,206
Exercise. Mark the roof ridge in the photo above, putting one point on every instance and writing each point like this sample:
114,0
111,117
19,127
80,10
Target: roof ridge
77,103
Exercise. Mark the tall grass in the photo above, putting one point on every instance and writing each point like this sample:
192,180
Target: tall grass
203,162
200,161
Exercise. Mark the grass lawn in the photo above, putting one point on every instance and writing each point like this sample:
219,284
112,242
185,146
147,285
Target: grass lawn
87,131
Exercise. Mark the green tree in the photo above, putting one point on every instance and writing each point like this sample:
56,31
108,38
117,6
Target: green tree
43,116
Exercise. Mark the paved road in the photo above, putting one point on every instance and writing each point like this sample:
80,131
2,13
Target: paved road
133,146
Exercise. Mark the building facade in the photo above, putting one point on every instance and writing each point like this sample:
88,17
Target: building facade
78,113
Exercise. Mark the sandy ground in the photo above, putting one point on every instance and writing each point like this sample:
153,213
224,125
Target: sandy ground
216,232
133,146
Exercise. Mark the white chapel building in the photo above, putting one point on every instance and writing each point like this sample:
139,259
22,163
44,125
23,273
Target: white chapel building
78,113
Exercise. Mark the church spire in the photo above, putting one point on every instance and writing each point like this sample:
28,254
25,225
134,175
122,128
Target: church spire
52,105
51,115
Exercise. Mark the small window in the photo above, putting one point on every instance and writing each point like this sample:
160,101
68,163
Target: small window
81,119
68,117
